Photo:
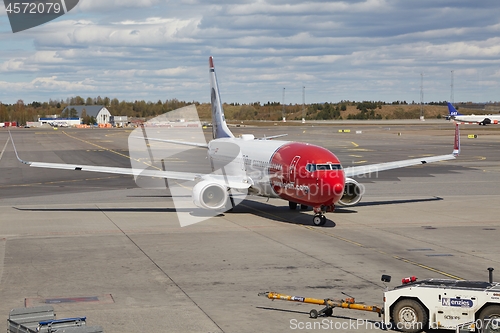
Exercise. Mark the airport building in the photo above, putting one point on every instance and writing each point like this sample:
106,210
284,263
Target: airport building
55,122
99,112
73,115
119,121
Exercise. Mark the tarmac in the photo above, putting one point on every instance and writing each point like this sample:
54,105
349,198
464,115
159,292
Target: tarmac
97,245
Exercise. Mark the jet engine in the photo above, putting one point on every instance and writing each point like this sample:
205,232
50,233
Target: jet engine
353,192
486,121
209,195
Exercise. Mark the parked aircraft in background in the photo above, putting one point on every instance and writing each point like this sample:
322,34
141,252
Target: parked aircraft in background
484,119
300,173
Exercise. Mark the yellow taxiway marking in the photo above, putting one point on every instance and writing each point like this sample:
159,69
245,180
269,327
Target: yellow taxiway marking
359,162
123,155
6,142
358,156
354,144
58,182
408,261
119,133
107,149
360,149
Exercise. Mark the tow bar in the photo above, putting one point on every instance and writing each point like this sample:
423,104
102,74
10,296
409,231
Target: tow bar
330,304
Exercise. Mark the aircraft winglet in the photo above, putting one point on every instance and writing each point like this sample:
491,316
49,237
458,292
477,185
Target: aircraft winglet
15,151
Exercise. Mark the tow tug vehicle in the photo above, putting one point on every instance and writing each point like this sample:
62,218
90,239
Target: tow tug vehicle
415,306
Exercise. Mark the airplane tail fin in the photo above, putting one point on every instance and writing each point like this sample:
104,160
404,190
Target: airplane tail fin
452,111
219,126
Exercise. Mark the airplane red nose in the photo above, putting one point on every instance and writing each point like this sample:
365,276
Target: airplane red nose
337,183
338,188
333,186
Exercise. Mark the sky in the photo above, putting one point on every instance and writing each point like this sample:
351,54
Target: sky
378,50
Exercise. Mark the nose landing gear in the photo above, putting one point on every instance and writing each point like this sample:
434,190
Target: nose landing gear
319,220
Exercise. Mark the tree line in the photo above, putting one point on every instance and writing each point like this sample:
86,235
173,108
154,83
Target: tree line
22,112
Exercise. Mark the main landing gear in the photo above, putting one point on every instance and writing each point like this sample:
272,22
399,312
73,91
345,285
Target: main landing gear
294,205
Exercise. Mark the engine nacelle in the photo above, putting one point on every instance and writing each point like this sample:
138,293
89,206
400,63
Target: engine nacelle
209,195
353,192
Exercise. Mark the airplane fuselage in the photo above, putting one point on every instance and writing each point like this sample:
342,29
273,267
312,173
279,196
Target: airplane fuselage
298,172
480,119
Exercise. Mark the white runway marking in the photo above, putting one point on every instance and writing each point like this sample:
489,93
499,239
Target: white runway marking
2,255
5,146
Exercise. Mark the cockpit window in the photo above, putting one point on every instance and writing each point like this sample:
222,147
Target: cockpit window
320,167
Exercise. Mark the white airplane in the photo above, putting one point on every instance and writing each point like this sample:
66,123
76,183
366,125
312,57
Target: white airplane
483,119
300,173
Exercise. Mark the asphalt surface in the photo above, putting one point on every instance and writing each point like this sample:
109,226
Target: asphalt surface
100,246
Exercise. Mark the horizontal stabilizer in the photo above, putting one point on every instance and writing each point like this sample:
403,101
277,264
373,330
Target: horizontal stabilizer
185,143
273,137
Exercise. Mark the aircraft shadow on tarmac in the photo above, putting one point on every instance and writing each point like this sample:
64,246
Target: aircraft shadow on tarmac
261,209
397,202
96,209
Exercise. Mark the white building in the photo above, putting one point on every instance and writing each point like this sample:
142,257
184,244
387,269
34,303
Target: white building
99,112
119,121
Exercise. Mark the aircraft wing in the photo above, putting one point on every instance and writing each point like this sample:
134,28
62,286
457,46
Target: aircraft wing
365,169
230,181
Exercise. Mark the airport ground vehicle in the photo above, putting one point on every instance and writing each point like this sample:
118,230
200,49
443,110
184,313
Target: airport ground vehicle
415,305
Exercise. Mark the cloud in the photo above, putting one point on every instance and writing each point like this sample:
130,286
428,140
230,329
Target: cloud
99,5
361,50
